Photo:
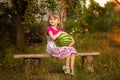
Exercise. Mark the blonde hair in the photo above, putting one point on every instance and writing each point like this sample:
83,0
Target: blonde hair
58,16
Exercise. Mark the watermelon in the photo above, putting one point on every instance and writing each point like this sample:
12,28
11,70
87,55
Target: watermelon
63,40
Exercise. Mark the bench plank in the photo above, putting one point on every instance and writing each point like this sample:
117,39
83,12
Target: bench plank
88,54
46,55
87,60
30,55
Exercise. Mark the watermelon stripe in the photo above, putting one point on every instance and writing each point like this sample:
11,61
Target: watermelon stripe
63,40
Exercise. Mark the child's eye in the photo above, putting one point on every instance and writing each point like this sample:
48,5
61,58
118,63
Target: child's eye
55,19
51,19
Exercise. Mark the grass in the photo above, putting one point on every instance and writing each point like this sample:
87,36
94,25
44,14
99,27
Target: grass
106,65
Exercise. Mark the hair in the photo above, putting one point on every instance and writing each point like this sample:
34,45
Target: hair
58,16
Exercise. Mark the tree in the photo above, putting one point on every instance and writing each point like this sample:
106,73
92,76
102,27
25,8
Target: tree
26,11
7,29
77,15
19,7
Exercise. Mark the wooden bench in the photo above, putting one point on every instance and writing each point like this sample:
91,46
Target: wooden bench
87,59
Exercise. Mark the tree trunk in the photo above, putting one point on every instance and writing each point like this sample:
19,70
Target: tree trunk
20,33
20,7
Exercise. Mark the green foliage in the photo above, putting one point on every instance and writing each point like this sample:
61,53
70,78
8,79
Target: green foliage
95,17
73,28
7,22
7,29
30,12
52,4
2,54
76,23
106,65
112,15
37,11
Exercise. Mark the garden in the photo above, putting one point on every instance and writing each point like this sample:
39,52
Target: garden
94,28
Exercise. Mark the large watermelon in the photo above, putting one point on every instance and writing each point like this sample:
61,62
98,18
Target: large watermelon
63,40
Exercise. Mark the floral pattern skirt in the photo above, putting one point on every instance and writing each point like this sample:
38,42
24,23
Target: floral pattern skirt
62,52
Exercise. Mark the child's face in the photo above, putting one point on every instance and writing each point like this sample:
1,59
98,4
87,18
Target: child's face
53,21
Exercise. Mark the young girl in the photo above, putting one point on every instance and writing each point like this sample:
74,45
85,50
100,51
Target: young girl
53,31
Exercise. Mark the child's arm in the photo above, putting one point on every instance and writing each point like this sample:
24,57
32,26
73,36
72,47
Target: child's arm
72,43
54,37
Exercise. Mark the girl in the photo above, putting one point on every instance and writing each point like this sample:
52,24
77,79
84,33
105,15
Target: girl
53,31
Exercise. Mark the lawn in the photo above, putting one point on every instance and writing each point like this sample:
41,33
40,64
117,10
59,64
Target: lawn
106,65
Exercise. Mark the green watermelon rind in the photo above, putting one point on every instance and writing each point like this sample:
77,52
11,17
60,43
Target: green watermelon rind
63,40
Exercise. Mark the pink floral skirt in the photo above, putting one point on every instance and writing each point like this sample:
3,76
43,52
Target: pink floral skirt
61,52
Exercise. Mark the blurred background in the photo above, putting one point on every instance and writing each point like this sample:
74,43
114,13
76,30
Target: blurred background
95,25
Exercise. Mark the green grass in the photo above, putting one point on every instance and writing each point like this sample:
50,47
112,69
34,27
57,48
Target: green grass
107,65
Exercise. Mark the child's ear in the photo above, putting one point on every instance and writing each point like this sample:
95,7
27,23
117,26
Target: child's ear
58,21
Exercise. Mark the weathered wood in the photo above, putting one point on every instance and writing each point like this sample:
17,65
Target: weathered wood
26,65
31,64
87,59
30,55
87,63
46,55
88,54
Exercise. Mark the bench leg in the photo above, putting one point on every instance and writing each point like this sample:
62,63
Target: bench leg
36,64
31,64
83,62
90,61
26,65
87,63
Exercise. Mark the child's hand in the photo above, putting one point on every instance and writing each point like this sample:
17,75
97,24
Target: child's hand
72,43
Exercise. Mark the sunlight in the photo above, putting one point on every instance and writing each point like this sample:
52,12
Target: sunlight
101,2
118,0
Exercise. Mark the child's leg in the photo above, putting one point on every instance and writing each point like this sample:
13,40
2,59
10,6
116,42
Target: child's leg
72,60
67,64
